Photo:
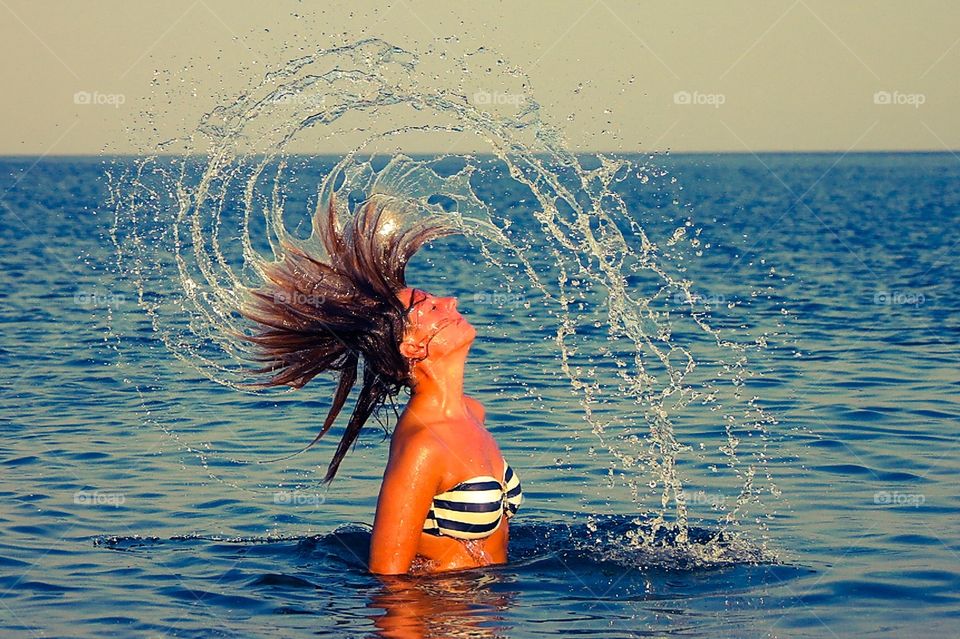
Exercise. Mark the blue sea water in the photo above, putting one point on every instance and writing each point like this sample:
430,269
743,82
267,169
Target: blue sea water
109,526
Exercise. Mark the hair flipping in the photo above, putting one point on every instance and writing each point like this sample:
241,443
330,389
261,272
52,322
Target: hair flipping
314,315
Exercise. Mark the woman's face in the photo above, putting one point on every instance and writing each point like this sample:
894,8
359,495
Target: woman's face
434,327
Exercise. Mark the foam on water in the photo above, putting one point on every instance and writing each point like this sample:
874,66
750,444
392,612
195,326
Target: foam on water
195,229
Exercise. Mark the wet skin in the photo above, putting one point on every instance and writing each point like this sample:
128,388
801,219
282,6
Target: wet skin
439,441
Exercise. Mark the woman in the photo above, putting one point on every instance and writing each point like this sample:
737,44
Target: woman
447,492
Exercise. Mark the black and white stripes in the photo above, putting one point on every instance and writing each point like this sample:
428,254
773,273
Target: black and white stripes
472,509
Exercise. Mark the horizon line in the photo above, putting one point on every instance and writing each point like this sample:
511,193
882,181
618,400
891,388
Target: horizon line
435,153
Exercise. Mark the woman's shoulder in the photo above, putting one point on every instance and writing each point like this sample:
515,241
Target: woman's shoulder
412,431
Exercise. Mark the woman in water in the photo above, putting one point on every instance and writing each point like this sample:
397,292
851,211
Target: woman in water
447,492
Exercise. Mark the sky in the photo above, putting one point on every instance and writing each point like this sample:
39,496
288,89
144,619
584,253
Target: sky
612,75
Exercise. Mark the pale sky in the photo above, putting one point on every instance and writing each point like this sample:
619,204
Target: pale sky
770,75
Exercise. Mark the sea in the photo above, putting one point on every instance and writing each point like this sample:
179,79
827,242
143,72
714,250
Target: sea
137,499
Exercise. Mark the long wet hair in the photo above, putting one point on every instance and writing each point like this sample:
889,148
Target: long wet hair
327,313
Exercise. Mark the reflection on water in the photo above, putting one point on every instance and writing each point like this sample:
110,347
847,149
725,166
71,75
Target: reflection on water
468,604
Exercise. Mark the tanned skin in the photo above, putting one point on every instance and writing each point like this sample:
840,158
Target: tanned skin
439,441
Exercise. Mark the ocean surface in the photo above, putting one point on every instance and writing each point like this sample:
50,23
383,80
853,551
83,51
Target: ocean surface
131,503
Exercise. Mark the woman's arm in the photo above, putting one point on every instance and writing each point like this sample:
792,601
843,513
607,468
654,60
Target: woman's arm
409,485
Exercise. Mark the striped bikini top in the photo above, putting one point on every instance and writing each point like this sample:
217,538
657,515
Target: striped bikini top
472,508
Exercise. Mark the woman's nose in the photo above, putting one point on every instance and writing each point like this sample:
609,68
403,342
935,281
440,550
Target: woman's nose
452,303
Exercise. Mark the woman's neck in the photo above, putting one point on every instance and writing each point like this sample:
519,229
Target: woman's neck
438,389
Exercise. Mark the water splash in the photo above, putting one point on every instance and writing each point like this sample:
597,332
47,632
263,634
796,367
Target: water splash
194,231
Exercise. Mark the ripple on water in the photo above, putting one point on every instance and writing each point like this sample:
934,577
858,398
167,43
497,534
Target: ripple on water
864,471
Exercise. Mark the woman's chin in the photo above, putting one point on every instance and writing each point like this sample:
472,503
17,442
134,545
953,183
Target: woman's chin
464,337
